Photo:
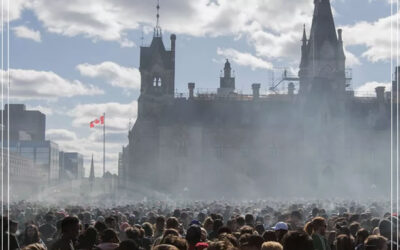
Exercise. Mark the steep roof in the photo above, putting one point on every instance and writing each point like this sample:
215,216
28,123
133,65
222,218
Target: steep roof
156,52
323,26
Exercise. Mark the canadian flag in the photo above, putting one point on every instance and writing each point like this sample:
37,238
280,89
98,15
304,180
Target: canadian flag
97,122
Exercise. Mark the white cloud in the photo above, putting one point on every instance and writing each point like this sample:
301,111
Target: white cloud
351,59
45,110
116,74
25,32
16,8
60,135
368,89
95,19
244,59
31,84
376,36
275,37
111,20
117,118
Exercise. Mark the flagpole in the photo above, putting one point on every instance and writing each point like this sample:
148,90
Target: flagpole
104,144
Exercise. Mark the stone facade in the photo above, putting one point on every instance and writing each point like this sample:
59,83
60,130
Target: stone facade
321,139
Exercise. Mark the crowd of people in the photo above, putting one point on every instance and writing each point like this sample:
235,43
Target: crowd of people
198,225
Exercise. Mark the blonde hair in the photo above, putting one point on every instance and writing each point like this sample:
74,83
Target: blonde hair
271,245
35,246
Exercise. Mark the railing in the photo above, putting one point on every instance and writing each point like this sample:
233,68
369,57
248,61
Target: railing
205,95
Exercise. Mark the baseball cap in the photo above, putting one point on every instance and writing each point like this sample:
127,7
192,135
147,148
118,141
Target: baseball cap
280,226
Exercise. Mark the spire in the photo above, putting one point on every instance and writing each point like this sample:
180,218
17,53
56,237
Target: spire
323,26
227,69
303,60
157,29
304,40
91,176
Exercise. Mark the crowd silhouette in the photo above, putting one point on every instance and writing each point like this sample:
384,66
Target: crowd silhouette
198,225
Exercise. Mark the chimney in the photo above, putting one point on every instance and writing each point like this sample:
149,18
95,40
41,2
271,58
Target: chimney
380,94
256,90
388,95
191,89
291,88
173,39
339,31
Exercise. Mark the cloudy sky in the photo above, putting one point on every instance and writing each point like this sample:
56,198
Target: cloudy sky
76,59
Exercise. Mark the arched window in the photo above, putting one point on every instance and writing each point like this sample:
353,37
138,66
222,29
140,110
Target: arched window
155,82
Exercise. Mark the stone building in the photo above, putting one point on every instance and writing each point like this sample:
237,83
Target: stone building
320,140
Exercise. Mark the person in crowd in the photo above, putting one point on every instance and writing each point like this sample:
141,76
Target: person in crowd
281,228
165,247
109,240
111,223
361,235
318,225
271,245
89,239
128,245
343,242
193,236
208,225
8,238
221,245
388,230
177,241
216,226
376,242
31,235
34,246
48,230
269,235
69,234
297,240
159,226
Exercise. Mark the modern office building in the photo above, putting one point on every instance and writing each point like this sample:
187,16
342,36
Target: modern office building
25,125
44,154
71,166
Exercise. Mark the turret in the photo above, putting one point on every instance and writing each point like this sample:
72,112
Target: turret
227,69
227,81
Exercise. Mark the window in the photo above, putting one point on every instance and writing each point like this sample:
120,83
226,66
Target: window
157,81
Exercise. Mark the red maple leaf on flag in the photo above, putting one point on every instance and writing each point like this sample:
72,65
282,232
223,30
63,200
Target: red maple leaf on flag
97,121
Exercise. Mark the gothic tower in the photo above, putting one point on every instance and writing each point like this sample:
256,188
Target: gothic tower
227,81
157,70
157,90
322,66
